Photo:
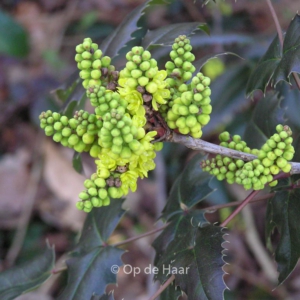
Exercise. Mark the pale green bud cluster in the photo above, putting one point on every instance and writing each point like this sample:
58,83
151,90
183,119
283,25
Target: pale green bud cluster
92,65
189,110
79,133
272,158
180,68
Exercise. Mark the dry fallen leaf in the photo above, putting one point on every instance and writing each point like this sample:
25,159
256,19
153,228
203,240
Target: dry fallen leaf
65,183
14,178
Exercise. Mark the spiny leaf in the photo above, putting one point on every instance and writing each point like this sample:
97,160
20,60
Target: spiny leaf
290,61
266,115
123,33
13,38
277,65
262,74
194,256
30,275
90,273
166,35
99,225
290,104
283,213
191,187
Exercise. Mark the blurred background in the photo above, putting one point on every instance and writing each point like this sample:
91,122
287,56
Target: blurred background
38,184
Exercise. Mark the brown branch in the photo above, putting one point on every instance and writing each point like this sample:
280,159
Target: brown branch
198,144
139,236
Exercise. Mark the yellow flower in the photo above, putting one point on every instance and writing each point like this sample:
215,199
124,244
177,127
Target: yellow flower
162,93
129,180
133,98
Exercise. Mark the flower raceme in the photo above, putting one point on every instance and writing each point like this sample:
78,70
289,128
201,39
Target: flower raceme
129,108
272,158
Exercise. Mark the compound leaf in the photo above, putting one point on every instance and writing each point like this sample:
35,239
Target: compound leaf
283,213
30,275
89,274
194,255
166,35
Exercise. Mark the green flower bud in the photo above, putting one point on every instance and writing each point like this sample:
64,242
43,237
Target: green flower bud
287,168
83,196
66,132
95,151
97,54
143,81
80,147
151,87
191,121
102,193
79,205
92,191
105,60
73,139
88,139
203,119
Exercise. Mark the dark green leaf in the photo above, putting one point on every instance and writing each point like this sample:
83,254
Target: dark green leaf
277,64
13,38
77,162
228,96
26,277
123,33
64,90
190,188
291,104
90,273
171,292
194,256
267,114
262,74
290,61
283,213
166,35
99,225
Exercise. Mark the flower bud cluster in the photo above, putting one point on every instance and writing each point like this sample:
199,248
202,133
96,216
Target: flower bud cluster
79,133
115,134
272,158
94,67
141,82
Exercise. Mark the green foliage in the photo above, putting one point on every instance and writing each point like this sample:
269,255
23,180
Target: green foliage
277,64
194,254
13,38
92,254
260,128
283,213
190,188
26,277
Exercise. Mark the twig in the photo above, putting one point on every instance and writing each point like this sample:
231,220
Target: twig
32,188
198,144
280,36
239,208
235,203
162,288
139,236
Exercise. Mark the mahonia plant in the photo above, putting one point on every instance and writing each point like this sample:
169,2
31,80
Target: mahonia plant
272,158
134,109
